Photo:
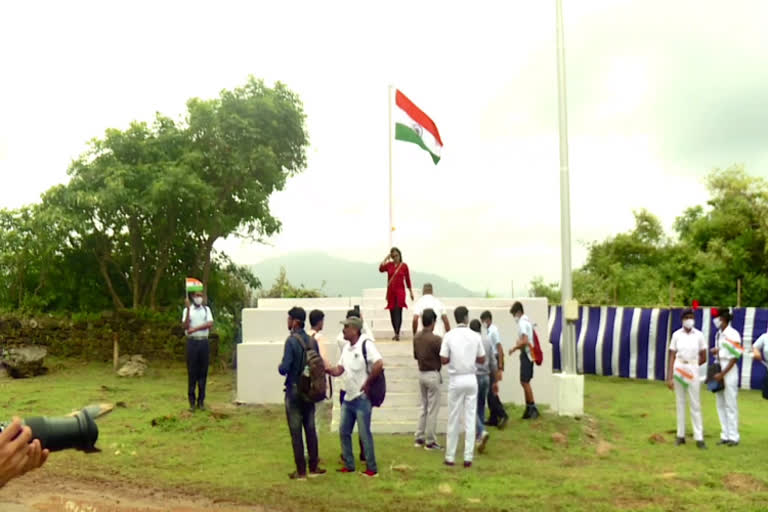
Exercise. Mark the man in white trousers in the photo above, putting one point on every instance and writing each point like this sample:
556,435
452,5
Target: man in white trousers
687,350
728,351
461,350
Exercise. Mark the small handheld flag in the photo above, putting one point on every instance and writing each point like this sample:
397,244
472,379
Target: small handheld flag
193,285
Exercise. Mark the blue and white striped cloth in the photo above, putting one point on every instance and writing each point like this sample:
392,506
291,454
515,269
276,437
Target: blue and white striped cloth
633,342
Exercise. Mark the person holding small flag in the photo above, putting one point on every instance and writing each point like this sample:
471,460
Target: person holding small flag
687,351
728,350
197,320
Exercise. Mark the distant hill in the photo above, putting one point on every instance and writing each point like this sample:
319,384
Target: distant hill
342,278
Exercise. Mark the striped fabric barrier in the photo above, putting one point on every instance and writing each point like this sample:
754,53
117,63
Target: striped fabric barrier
632,342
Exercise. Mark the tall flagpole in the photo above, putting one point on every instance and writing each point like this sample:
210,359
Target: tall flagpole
390,90
568,346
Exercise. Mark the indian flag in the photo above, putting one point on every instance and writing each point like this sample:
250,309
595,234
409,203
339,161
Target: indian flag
193,285
683,376
413,125
734,347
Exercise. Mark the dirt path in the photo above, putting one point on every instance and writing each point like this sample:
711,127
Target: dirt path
41,492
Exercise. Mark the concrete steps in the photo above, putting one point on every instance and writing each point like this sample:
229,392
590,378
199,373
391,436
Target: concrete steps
400,411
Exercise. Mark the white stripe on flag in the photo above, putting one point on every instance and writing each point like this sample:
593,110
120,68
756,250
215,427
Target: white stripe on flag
617,323
551,319
652,336
582,337
746,342
599,342
706,325
633,342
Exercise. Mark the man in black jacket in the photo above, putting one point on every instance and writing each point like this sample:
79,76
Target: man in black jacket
300,414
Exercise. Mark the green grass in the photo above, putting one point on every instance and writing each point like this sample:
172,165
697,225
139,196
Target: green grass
243,453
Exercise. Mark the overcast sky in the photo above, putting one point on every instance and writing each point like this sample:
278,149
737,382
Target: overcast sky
659,93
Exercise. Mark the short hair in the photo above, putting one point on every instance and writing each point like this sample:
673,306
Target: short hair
687,312
475,325
298,313
315,317
427,288
428,317
724,313
460,314
486,315
516,308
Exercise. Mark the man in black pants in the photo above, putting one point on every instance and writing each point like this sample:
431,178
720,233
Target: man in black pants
197,320
300,414
498,416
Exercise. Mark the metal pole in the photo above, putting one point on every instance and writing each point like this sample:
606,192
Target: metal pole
391,218
568,347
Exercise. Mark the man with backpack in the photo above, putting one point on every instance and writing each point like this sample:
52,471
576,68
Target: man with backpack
362,366
525,346
300,365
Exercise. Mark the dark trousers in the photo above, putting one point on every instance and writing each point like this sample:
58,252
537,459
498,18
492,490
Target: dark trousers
359,439
301,415
198,354
396,315
494,405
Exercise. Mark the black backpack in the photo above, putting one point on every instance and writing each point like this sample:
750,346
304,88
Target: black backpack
378,389
312,381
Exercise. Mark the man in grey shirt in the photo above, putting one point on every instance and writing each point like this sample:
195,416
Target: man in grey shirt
484,371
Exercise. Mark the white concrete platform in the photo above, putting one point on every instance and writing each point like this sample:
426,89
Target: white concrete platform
264,334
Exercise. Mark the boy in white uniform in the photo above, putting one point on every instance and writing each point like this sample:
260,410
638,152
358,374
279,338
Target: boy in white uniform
687,350
728,350
461,351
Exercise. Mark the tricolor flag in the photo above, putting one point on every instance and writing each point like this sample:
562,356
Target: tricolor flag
734,347
193,285
684,376
413,125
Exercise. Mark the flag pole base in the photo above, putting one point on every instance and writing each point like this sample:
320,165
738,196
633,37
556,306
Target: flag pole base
569,394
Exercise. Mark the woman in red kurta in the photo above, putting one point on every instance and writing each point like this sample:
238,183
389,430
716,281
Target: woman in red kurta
398,277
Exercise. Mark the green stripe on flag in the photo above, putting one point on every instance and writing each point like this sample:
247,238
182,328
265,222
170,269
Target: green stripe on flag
681,380
408,134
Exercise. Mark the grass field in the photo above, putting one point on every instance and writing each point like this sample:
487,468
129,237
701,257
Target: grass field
604,461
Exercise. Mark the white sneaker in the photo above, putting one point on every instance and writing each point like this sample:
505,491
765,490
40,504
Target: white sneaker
483,441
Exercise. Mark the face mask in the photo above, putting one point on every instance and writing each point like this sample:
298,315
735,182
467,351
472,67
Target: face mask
688,323
717,322
198,300
517,319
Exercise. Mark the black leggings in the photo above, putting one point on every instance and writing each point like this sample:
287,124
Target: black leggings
396,315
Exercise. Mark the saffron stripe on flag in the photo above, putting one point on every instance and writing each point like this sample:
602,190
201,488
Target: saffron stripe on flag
417,115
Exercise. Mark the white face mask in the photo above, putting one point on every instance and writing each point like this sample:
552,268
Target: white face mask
517,319
688,323
198,300
717,322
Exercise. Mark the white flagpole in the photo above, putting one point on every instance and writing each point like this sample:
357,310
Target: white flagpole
568,347
390,90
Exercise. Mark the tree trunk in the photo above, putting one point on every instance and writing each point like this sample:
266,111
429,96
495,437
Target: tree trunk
105,274
136,266
207,264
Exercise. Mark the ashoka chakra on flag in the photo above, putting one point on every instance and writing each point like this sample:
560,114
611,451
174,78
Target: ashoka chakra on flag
413,125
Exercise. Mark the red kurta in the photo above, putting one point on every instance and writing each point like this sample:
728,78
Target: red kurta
396,288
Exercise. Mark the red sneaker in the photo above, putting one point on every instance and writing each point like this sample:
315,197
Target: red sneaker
345,470
369,473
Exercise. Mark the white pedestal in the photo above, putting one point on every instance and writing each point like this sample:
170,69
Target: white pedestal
569,394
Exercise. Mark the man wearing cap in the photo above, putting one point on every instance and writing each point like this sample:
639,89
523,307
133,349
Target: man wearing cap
360,364
197,320
461,351
687,350
299,413
728,351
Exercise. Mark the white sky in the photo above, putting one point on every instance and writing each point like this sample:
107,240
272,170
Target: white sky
659,93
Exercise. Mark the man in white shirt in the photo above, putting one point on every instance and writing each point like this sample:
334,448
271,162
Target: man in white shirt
687,351
728,350
525,346
360,364
429,301
461,350
316,323
197,320
498,416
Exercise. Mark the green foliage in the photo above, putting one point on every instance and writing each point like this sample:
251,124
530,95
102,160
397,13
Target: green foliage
145,205
714,247
541,289
283,289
